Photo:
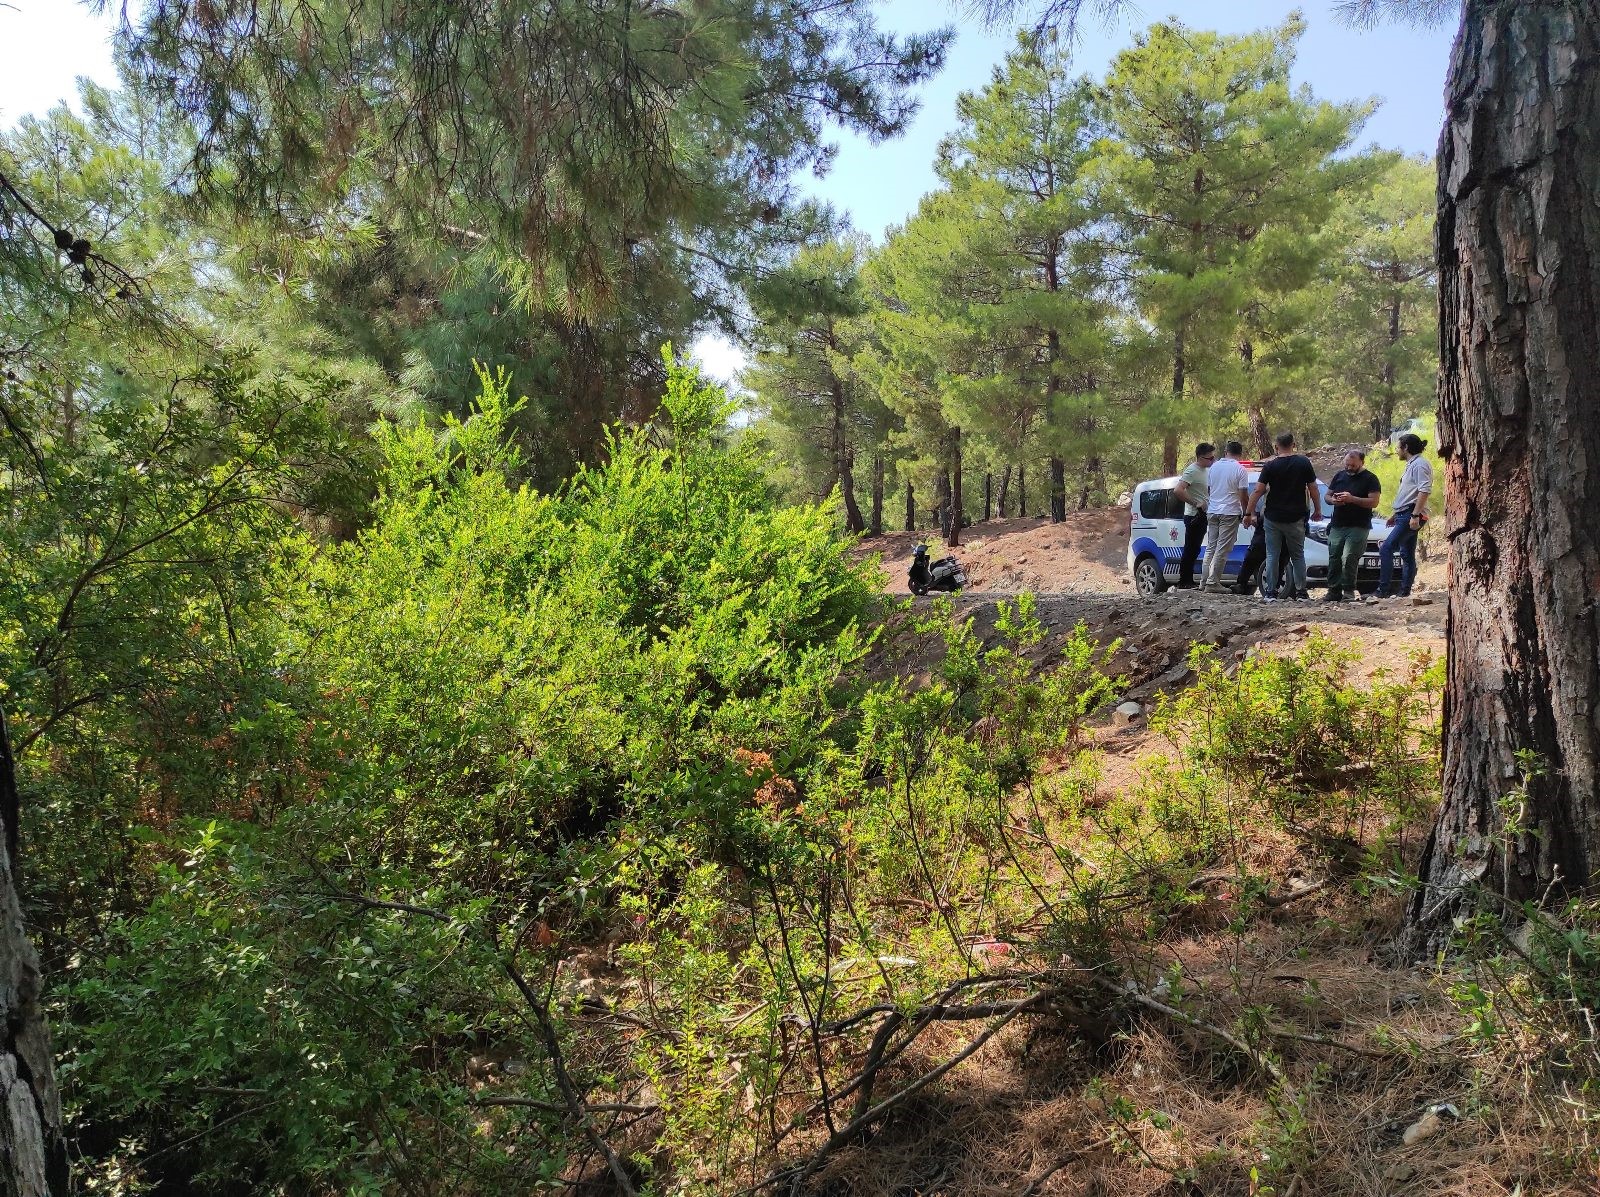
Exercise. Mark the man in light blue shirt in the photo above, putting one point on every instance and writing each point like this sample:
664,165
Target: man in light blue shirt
1410,516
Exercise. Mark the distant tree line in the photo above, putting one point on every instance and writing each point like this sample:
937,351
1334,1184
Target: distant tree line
1188,248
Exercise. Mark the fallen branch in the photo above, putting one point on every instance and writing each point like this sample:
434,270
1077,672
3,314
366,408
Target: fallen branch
1072,1157
798,1176
1232,1040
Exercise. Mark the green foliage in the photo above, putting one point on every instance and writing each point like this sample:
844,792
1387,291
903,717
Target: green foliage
580,146
518,710
1295,731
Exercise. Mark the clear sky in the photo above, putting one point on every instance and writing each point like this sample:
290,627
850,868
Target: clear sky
46,44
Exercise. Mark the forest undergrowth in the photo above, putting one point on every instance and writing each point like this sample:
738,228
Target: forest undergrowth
581,843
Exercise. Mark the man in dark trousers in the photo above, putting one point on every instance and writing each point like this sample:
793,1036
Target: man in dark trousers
1352,494
1255,556
1288,483
1192,490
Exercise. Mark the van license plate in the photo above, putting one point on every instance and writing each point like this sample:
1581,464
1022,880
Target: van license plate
1370,561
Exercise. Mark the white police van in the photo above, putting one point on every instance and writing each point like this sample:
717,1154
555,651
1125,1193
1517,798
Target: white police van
1156,533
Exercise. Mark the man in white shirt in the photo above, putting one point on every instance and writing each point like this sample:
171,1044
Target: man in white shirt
1410,515
1192,489
1226,487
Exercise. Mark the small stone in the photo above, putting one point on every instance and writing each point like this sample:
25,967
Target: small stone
1299,629
1425,1127
1127,713
1421,600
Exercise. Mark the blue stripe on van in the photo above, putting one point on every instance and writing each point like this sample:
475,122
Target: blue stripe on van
1171,556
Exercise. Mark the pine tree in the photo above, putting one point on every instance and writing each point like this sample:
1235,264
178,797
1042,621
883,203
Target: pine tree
1379,330
825,418
1219,176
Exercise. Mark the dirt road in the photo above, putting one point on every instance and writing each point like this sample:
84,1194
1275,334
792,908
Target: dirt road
1077,571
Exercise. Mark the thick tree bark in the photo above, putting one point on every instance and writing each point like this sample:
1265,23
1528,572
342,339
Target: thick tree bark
844,462
875,524
988,495
1022,491
1387,415
1094,482
33,1150
941,497
1519,299
952,536
1259,431
1058,490
1005,492
911,506
1169,447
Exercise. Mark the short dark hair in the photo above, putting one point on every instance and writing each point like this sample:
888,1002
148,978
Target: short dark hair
1413,444
1361,453
1285,440
1234,448
1204,449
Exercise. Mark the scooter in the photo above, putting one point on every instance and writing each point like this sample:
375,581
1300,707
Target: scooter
926,575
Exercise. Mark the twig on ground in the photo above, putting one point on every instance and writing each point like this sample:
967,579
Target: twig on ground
1035,1185
1233,1041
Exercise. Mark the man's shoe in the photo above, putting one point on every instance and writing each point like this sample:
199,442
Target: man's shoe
1188,586
1334,596
1268,598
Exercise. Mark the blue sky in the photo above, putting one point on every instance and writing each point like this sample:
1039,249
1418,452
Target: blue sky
45,44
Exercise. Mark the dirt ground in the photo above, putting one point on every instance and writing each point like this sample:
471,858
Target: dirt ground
1078,570
1028,1115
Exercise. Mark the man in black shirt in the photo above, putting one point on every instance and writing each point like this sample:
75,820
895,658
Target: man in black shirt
1289,484
1352,494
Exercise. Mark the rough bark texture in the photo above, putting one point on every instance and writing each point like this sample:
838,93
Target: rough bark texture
875,523
911,507
33,1152
844,460
1058,490
1094,482
1519,294
988,495
941,505
952,536
1005,492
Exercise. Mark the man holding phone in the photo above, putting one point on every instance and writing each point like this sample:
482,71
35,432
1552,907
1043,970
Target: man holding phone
1352,494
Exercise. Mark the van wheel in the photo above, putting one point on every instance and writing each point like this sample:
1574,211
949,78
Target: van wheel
1148,578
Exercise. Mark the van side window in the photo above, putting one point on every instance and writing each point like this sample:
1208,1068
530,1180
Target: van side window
1160,505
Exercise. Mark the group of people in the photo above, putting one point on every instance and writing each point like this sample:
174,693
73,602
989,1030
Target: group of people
1219,500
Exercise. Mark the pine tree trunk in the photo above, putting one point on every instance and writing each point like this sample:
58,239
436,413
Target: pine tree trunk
1519,289
1005,491
33,1150
844,464
1094,482
1058,490
1388,366
941,496
875,524
911,506
988,495
1260,433
1022,491
952,535
1169,447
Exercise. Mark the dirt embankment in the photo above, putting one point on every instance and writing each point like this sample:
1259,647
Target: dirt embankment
1077,570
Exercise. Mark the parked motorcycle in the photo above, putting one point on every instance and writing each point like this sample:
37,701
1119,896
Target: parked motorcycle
944,574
